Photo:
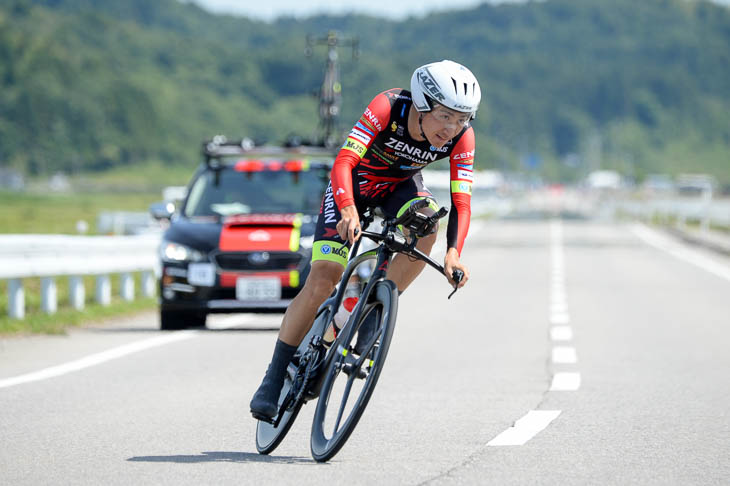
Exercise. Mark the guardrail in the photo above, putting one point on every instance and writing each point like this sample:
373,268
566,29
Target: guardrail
52,256
704,210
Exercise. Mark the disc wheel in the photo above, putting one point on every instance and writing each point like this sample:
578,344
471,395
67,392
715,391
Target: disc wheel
351,377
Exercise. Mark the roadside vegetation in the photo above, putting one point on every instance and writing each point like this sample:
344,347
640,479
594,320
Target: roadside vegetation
569,87
42,210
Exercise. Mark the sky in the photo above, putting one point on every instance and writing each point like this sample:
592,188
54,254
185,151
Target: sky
396,10
270,9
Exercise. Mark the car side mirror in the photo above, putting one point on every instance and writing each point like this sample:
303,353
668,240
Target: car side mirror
162,210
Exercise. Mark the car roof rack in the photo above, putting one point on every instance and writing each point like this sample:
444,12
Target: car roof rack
219,146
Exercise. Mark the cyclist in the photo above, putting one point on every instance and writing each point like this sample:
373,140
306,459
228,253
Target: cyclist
380,164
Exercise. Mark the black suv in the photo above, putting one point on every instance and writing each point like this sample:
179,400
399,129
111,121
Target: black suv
242,238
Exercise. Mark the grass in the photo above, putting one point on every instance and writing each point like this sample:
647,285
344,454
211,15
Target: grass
58,213
38,322
41,210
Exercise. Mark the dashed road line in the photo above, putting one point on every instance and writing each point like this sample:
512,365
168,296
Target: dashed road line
525,428
537,420
564,355
565,381
561,333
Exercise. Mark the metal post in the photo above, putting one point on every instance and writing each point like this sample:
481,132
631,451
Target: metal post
706,202
148,284
127,286
103,290
16,299
49,295
77,292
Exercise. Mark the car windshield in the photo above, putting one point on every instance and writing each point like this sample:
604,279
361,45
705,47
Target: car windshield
226,191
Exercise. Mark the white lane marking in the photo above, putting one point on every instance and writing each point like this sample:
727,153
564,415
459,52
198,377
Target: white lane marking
559,308
565,381
559,318
98,358
558,292
525,428
231,322
564,355
664,243
561,333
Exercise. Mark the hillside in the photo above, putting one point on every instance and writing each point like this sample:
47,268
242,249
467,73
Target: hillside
569,85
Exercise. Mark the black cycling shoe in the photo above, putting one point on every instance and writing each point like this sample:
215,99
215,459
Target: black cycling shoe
265,402
366,332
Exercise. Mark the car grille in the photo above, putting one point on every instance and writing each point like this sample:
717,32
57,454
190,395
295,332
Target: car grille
252,261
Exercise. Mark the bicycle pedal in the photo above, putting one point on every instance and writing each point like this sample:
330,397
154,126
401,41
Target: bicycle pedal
263,418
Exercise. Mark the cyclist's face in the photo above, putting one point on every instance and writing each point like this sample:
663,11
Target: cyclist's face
442,124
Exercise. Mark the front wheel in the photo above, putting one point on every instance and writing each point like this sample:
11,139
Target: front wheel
351,378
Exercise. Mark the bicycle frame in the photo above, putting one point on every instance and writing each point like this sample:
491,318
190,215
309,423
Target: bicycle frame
389,242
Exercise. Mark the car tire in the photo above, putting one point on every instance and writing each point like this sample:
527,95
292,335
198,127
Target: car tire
175,320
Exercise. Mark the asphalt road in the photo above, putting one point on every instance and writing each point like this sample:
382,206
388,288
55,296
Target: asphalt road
579,353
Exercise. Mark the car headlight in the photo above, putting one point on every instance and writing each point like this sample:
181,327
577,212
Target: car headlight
306,241
175,252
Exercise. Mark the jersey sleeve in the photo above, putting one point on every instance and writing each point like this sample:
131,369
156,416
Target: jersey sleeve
358,141
462,178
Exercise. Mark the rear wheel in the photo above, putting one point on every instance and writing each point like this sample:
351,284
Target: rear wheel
269,437
351,378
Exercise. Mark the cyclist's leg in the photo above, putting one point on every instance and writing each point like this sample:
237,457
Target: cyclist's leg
300,314
329,256
402,270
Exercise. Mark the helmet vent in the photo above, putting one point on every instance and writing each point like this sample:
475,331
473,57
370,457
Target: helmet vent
456,90
466,88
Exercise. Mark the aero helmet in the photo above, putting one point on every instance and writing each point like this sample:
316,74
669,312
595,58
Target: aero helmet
447,83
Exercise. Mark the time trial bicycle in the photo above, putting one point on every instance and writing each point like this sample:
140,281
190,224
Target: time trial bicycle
342,376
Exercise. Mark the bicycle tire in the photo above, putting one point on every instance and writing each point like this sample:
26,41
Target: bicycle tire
385,295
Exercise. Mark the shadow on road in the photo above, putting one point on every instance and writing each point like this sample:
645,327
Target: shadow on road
220,456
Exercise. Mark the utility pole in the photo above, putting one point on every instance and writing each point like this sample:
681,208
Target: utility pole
330,93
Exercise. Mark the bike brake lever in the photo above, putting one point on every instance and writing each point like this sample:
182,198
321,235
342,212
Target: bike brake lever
457,276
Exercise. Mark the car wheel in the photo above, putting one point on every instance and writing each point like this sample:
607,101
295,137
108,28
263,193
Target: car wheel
174,320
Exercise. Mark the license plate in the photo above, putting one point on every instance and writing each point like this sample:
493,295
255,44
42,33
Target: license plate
250,288
201,274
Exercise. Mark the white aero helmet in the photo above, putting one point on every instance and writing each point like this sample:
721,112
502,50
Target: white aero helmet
448,83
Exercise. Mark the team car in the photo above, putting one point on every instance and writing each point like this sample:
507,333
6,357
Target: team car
241,239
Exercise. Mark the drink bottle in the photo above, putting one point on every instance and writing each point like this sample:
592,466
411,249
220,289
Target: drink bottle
343,313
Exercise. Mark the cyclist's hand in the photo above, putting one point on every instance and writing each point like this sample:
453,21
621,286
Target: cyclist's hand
348,223
451,263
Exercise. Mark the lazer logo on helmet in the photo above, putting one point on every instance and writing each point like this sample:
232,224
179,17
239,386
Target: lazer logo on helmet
431,86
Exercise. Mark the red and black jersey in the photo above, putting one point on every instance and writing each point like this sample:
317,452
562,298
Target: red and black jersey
379,153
